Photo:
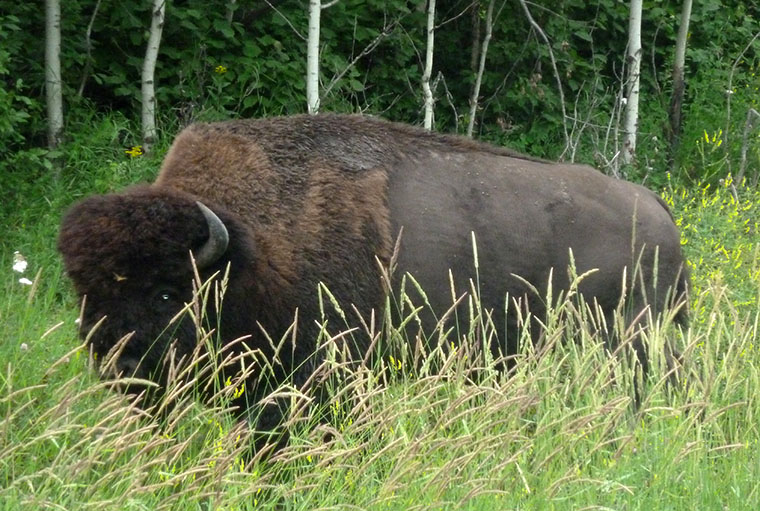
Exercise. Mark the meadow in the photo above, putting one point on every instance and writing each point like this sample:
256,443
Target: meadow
412,431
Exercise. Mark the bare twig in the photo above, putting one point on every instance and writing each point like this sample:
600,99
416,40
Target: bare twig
387,30
295,31
730,92
461,13
88,47
449,100
540,32
752,116
579,125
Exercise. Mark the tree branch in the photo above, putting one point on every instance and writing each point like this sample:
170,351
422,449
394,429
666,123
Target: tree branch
752,116
296,32
388,30
88,46
730,91
540,32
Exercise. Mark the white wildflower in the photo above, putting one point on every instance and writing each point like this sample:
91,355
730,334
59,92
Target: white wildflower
25,281
19,263
24,346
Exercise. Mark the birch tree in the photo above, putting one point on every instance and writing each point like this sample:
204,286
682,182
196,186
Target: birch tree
148,74
426,75
678,81
53,94
633,57
312,58
481,68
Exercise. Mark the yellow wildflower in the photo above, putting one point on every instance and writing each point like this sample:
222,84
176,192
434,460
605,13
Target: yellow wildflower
135,151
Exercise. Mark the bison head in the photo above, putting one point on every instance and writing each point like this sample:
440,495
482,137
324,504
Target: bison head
129,255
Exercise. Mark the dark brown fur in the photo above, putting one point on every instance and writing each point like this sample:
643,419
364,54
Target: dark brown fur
312,199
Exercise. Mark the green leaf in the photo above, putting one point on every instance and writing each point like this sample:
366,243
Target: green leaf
355,85
224,28
584,34
251,50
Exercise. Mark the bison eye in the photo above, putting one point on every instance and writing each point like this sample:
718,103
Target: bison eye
165,295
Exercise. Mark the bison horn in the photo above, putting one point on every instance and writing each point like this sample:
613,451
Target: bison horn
218,239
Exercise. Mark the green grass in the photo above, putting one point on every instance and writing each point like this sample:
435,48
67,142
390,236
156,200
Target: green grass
561,433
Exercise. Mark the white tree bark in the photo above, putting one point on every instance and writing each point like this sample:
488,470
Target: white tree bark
678,80
481,68
631,120
148,75
683,33
312,58
53,94
426,90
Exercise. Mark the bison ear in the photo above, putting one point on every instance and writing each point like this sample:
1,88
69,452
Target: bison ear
218,239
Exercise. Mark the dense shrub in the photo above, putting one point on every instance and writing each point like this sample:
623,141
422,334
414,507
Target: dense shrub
222,59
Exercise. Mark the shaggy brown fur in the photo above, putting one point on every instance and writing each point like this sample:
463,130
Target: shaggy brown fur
311,199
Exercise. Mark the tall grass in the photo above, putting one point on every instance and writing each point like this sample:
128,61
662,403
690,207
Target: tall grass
559,432
413,428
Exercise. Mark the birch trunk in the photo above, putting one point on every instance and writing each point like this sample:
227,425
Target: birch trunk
312,58
427,92
53,94
481,68
678,81
148,74
631,121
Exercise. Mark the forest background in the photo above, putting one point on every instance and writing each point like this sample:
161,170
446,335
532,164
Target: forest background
550,78
223,59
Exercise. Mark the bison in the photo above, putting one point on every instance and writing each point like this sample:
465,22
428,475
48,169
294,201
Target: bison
292,202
